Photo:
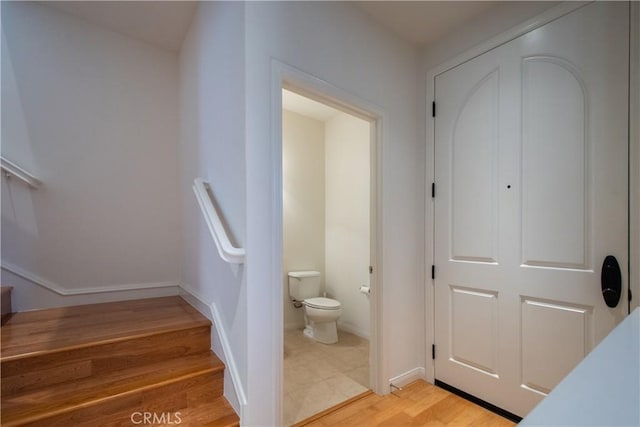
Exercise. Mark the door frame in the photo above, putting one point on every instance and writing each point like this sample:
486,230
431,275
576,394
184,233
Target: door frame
285,76
634,150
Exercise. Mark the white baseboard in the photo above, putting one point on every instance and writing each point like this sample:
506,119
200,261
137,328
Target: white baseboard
60,290
408,377
210,310
33,292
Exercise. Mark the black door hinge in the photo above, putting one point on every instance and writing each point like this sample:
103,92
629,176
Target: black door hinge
433,271
433,190
433,109
433,351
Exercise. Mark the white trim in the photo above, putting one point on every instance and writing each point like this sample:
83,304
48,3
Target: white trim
494,42
510,34
55,287
634,155
277,216
199,302
289,77
227,251
11,169
407,378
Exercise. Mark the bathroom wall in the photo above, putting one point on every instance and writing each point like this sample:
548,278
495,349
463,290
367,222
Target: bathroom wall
303,180
326,211
347,209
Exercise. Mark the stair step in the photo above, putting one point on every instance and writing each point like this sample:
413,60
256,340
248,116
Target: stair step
128,387
100,364
20,373
201,416
85,341
60,329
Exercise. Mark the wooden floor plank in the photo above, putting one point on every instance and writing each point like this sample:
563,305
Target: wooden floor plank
418,404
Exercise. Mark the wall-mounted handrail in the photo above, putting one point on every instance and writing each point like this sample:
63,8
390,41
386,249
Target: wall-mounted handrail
227,251
11,169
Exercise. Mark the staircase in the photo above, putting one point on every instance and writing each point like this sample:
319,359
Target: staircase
130,363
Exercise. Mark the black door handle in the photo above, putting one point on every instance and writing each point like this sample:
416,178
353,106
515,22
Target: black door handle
611,281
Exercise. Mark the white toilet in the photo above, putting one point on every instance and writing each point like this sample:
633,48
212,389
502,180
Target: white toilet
320,314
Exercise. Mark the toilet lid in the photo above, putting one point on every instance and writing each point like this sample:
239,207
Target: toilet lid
321,302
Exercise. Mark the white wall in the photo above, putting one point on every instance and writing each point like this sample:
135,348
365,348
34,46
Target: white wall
340,45
303,180
93,114
212,99
347,207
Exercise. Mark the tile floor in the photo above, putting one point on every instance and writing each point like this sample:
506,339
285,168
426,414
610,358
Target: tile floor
318,376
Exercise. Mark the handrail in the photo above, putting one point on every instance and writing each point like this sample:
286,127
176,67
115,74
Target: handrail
11,169
227,251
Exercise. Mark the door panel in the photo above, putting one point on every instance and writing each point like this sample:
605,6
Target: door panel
474,328
553,141
554,340
474,174
531,167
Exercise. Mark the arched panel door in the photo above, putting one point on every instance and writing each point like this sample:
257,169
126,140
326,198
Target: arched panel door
531,168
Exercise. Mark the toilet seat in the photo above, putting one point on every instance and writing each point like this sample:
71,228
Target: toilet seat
322,303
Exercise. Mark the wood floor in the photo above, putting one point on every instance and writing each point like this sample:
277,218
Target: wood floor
418,404
106,364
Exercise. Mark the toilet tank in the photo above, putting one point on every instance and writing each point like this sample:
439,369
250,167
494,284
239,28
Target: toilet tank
304,284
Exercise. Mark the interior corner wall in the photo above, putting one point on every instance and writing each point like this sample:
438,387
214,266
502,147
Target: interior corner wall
339,44
303,187
212,132
93,114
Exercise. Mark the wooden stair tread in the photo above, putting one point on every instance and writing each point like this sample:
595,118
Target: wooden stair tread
58,329
60,398
215,414
98,364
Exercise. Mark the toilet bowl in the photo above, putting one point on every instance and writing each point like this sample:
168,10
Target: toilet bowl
321,315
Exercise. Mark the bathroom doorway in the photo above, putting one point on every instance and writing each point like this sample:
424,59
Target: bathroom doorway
328,188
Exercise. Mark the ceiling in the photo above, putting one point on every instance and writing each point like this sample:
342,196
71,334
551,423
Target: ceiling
423,22
165,23
161,23
307,107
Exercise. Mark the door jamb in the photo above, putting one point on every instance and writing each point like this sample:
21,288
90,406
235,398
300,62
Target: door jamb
634,154
285,76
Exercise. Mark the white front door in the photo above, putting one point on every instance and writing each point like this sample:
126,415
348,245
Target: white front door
531,171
